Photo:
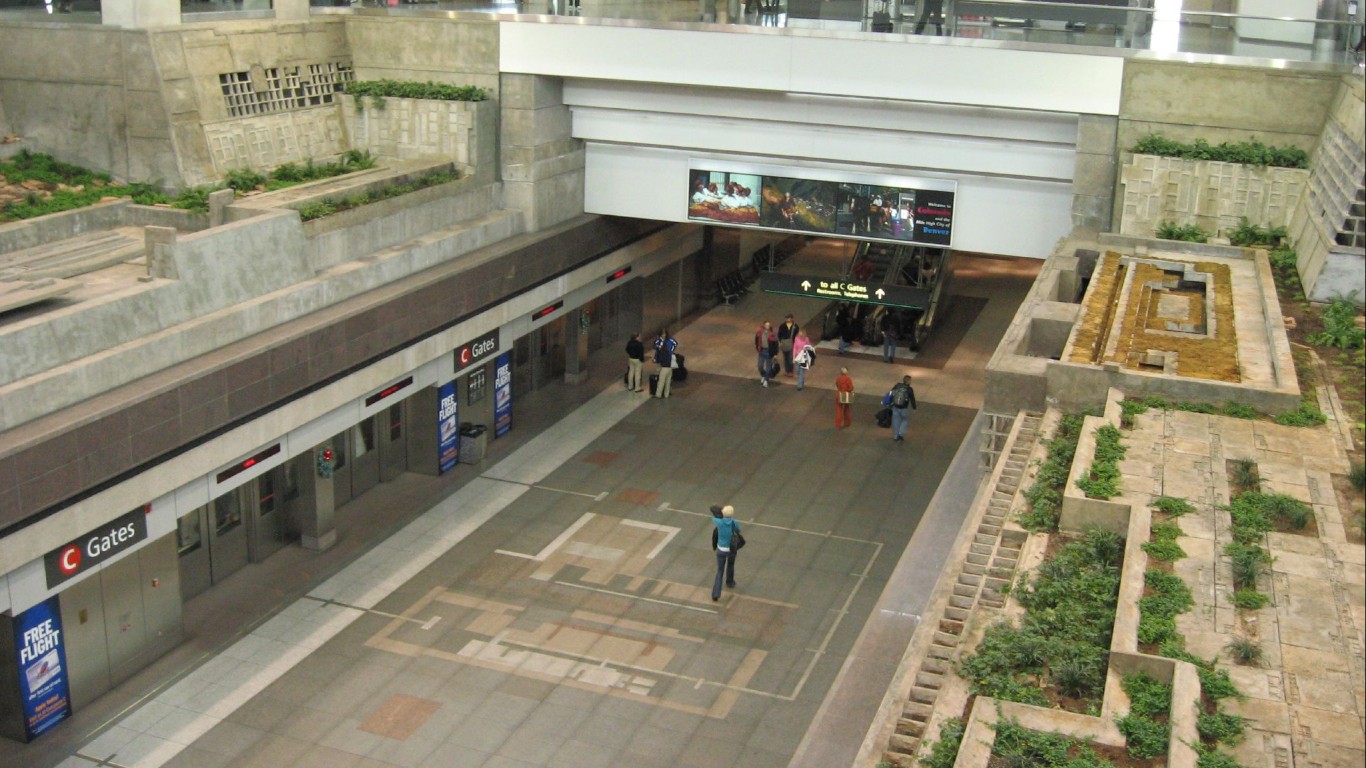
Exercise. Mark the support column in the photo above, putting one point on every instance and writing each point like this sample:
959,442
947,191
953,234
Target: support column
318,526
139,14
542,164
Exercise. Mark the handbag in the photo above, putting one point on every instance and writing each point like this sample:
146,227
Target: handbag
846,398
737,542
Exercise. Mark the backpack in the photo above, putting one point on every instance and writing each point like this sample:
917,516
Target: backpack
901,396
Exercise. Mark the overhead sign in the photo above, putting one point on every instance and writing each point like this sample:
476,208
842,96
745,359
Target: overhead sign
43,689
95,547
837,289
476,350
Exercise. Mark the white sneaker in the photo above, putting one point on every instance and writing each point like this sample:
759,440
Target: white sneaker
765,382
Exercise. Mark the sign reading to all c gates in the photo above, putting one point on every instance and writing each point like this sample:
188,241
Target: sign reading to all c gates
43,690
95,547
471,353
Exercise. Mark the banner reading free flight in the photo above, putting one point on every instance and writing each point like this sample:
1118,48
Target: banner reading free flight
502,395
43,689
447,428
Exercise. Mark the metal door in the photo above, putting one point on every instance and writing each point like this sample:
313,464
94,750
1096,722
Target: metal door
364,455
196,575
87,649
227,535
125,619
265,501
393,441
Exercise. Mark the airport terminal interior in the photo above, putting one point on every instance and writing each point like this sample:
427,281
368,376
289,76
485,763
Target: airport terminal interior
320,444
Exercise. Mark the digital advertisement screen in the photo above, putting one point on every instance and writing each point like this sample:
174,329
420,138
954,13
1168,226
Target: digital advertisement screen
899,214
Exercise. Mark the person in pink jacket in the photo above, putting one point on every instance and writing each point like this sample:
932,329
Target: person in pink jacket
803,357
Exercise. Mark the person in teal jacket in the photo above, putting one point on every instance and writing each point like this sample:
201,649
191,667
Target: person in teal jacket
726,528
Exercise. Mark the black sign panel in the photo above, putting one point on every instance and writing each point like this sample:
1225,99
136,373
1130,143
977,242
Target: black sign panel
95,547
837,289
476,350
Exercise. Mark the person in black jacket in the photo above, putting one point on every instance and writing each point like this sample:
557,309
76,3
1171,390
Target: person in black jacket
902,401
635,357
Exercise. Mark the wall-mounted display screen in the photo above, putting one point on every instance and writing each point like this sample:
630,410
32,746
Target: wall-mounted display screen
898,213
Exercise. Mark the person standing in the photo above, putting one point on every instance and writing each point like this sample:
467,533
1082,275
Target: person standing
803,357
666,349
901,399
635,358
766,346
726,530
844,327
844,397
889,337
931,8
787,336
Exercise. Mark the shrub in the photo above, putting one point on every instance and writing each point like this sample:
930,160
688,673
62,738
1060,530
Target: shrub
244,179
1247,233
1166,551
945,751
1243,474
1169,596
377,90
1215,683
1213,758
1245,152
1102,480
1239,411
1283,259
1339,326
1189,233
1045,495
1357,476
1076,676
1249,599
1307,415
1220,727
1244,650
1248,562
1145,738
1172,506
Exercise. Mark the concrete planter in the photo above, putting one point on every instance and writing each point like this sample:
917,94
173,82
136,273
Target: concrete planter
1080,512
1212,195
404,129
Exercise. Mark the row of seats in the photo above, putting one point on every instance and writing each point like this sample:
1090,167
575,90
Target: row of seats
731,287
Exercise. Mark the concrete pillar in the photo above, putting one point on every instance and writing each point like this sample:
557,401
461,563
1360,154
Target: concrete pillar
140,14
576,347
423,439
318,526
218,204
542,164
159,246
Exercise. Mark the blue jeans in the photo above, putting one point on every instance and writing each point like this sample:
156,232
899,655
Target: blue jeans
888,348
900,418
801,377
725,566
765,365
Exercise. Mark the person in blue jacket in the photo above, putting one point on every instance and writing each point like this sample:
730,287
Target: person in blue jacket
726,529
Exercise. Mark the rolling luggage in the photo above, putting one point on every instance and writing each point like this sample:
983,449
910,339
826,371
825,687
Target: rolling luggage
884,418
681,372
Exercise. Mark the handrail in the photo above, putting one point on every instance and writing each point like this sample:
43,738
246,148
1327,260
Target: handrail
953,10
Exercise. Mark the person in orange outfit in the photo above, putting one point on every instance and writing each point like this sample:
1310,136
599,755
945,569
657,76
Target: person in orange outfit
844,395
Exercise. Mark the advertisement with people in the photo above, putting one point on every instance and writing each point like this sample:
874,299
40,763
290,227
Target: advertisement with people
899,213
43,687
502,395
448,428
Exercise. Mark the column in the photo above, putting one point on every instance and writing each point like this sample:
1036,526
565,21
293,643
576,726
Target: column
576,347
318,521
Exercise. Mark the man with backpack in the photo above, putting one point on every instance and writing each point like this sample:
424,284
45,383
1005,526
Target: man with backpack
901,399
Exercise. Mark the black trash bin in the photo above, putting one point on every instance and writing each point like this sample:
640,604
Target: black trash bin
474,443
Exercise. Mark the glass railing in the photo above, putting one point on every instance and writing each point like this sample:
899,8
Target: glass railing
1275,30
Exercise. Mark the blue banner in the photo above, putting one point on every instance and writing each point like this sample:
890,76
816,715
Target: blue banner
502,395
447,425
43,686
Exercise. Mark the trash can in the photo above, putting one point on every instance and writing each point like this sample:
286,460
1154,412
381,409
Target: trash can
474,442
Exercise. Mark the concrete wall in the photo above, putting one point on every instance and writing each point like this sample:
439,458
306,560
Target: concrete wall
465,131
1196,101
1214,196
542,163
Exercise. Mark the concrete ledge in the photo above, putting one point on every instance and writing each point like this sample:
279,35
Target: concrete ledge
1078,511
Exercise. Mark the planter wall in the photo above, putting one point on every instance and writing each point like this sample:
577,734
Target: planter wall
1212,195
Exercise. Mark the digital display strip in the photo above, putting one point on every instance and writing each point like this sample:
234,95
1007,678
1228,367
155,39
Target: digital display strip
246,464
899,214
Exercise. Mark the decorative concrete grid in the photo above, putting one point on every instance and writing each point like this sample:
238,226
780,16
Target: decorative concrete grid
594,609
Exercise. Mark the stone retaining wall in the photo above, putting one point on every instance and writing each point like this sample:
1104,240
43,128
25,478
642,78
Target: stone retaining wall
1212,195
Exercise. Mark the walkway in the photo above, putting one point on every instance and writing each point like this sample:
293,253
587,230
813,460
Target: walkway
554,609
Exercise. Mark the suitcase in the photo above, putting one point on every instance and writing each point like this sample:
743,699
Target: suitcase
882,21
884,417
654,383
681,372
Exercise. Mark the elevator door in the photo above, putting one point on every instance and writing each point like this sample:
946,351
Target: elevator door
364,455
393,441
196,574
264,498
227,535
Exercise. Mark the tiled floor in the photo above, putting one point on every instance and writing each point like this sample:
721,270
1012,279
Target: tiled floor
554,609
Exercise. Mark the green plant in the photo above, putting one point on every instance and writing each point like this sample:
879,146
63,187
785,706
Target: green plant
1166,551
1144,737
1215,683
1239,411
1101,481
1220,727
1243,474
1247,233
1076,676
1190,233
1357,476
945,751
1339,326
1016,747
1172,506
330,206
1168,597
244,179
1283,260
377,90
1209,757
1248,562
1249,599
1244,650
1246,152
1307,415
1045,494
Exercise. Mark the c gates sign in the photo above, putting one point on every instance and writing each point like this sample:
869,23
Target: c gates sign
471,353
95,547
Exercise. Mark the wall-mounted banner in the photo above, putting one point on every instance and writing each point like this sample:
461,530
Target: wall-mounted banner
78,556
502,395
447,428
904,211
476,350
43,688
